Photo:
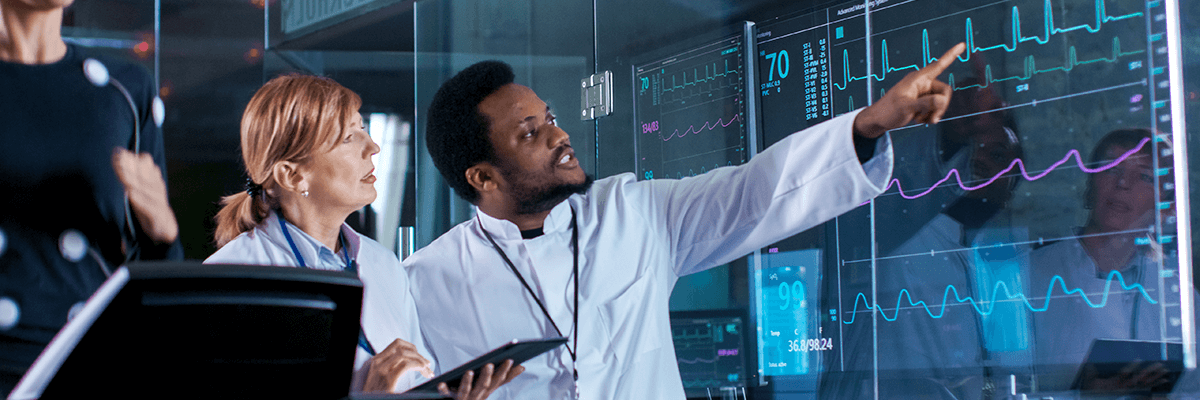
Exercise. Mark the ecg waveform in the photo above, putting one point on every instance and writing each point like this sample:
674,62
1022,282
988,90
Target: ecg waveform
1047,28
699,360
695,76
995,291
692,129
1021,164
1030,69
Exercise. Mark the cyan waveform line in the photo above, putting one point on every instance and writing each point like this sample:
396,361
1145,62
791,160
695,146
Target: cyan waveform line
692,129
1048,29
698,360
1031,67
695,73
1021,164
995,290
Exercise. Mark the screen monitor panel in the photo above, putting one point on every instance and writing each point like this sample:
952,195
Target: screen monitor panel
187,330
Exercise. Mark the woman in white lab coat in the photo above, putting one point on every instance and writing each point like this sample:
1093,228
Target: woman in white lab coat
308,159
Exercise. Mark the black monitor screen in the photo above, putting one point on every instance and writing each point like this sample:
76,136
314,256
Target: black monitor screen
211,331
710,346
690,109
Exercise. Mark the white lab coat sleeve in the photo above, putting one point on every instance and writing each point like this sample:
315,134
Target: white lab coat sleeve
362,370
362,367
804,180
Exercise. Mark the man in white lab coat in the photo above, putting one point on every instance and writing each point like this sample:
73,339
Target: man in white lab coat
550,254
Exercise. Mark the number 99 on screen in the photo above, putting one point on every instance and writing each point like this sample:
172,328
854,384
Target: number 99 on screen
792,295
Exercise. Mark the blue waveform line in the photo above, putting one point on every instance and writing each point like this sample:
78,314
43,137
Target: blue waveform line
695,73
1030,69
1018,163
995,291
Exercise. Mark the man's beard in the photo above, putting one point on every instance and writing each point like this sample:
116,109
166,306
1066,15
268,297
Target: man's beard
534,195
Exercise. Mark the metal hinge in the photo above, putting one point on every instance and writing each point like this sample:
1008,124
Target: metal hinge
595,97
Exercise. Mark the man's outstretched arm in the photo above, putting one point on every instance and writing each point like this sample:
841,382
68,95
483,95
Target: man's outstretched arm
804,180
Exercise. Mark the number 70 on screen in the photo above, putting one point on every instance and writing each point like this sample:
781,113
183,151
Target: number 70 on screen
779,62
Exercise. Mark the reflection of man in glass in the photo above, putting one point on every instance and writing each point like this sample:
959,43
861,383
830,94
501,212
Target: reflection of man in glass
1115,244
925,350
951,348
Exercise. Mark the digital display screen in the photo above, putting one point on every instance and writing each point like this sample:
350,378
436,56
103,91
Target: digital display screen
789,320
1037,217
710,349
690,110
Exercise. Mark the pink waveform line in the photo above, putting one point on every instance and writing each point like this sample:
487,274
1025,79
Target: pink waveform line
692,129
1018,163
698,360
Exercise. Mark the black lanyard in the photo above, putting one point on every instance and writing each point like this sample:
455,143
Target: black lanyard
574,348
351,266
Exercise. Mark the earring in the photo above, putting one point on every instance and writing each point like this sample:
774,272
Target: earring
304,193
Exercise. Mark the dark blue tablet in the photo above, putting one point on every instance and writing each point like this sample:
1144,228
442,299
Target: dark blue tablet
518,350
1108,358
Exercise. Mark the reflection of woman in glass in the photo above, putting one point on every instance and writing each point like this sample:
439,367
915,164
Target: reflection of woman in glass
309,161
1121,199
1122,204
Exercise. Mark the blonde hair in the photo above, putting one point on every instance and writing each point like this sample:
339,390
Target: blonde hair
289,119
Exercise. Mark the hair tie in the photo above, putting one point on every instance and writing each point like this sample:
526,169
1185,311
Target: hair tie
253,189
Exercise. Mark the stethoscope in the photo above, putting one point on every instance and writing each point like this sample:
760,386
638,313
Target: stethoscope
351,266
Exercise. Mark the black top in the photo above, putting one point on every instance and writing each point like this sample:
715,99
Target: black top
58,132
865,148
532,233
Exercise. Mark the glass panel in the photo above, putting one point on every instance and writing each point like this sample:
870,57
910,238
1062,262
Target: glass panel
682,74
822,344
211,63
1190,29
130,36
1052,218
365,46
549,43
205,57
1037,221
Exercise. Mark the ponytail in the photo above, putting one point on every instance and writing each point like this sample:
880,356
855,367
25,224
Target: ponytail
288,119
239,213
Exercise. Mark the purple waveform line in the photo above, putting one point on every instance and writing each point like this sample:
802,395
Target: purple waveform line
691,129
1018,163
698,360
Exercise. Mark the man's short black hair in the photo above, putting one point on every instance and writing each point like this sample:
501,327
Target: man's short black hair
457,133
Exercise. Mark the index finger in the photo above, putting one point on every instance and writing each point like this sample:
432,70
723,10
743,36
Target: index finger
944,62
